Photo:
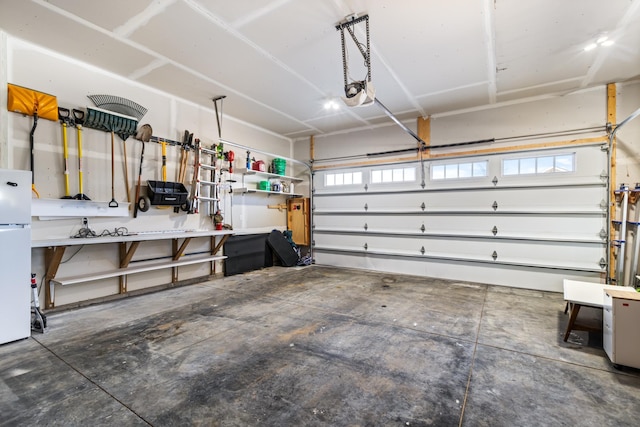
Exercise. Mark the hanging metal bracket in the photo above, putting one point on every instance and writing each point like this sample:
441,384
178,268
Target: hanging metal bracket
219,114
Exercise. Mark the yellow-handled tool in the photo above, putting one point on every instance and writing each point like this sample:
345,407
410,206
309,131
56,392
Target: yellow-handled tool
65,120
78,120
164,160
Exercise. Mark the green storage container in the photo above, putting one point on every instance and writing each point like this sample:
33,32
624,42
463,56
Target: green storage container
279,166
264,185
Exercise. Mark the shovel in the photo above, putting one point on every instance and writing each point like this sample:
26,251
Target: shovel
65,121
32,103
78,119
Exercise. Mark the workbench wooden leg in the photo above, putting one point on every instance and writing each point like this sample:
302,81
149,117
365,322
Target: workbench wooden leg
174,251
124,261
575,308
212,264
52,258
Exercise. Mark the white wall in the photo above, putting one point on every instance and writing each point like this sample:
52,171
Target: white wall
70,82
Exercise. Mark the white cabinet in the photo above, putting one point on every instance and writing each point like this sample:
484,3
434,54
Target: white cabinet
621,327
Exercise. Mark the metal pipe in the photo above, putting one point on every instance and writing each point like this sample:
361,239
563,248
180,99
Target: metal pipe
622,237
480,141
612,135
633,268
398,122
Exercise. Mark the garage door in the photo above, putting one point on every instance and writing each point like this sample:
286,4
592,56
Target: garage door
523,219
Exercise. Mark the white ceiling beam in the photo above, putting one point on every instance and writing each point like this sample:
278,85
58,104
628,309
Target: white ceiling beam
490,43
142,18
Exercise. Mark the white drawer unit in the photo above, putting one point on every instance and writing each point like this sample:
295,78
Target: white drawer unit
621,327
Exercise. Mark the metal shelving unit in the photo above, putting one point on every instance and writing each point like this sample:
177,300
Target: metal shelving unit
268,176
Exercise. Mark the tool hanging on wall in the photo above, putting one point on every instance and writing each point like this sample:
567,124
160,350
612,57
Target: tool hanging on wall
144,135
187,143
230,156
65,120
111,122
32,103
127,107
78,122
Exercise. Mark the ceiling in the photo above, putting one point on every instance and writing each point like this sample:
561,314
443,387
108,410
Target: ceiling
278,61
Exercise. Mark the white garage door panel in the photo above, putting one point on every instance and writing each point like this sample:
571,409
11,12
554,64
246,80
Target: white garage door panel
571,255
559,227
540,222
544,199
555,227
504,275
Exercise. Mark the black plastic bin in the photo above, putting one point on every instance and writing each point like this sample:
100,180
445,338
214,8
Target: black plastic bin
167,193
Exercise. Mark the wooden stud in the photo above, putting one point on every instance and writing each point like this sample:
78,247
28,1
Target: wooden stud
122,280
424,132
611,118
312,148
174,270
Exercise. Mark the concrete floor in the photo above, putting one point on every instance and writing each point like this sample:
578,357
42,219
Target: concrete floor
317,346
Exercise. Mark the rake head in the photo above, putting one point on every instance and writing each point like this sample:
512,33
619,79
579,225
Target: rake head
119,105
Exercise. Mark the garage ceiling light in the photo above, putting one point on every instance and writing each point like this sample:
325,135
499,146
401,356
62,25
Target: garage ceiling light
601,41
331,105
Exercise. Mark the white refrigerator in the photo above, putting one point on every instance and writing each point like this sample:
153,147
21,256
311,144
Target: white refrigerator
15,259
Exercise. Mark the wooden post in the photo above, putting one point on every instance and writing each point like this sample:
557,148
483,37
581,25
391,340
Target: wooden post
424,132
312,148
611,118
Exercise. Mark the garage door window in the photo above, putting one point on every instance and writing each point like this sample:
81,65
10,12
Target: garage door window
379,176
346,178
560,163
459,170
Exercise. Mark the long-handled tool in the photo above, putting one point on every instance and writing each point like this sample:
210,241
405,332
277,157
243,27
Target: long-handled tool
32,103
127,107
113,203
126,170
187,142
144,135
114,123
78,121
65,120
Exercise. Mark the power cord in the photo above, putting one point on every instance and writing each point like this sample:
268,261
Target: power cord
86,232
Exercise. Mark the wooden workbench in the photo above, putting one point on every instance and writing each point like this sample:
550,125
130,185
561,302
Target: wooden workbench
127,245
